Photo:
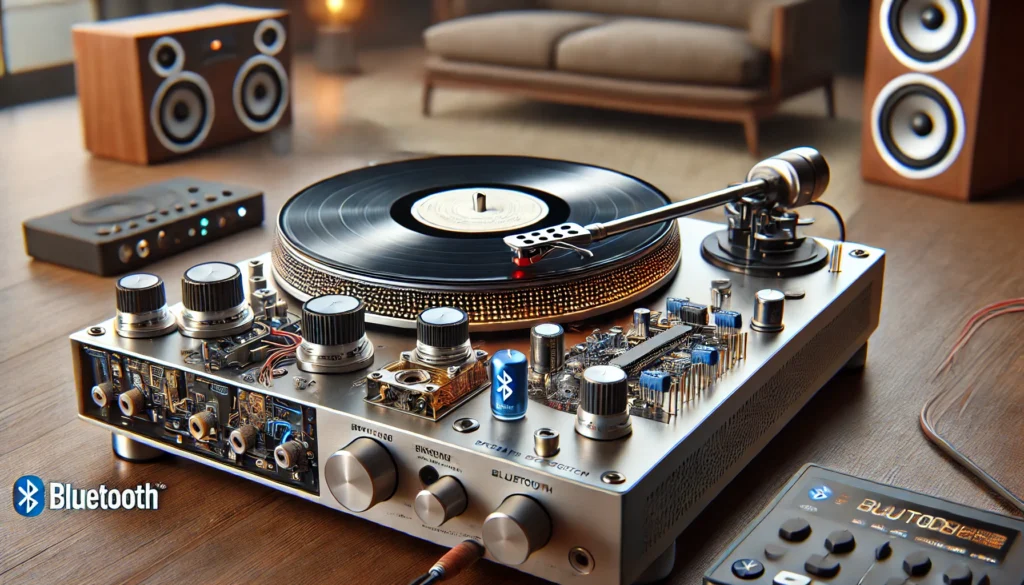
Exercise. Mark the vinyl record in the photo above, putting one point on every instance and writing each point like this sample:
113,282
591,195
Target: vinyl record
409,235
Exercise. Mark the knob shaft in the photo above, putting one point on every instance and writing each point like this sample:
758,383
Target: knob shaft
519,527
140,293
361,475
442,327
333,320
212,286
441,501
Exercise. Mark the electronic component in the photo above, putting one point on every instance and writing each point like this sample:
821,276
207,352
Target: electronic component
769,305
202,424
127,231
509,392
603,413
441,373
641,323
213,301
828,525
547,348
142,307
721,289
545,442
334,335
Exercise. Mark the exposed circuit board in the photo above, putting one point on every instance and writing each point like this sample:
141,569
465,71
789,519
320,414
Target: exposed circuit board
686,348
232,425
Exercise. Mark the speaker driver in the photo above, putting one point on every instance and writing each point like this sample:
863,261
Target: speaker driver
166,57
927,35
260,93
269,37
917,126
182,112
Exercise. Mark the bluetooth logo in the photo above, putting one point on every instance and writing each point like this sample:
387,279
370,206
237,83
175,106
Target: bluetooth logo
820,493
29,496
505,379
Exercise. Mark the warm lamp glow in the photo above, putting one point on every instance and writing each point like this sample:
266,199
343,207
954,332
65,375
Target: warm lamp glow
335,12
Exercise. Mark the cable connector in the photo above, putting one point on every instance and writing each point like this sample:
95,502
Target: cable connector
452,563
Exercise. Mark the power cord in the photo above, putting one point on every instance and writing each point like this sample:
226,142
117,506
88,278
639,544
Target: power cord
452,563
835,214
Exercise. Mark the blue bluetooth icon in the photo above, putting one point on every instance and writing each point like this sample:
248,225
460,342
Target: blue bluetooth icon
29,496
819,493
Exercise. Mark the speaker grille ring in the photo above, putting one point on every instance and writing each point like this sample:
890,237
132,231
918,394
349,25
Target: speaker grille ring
917,125
269,37
927,35
166,57
257,112
181,114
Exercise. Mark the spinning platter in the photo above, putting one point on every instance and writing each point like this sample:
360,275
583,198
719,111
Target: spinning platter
411,235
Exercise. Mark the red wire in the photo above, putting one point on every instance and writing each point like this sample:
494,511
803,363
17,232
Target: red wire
976,321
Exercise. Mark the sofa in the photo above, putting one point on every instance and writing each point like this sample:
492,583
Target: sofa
726,60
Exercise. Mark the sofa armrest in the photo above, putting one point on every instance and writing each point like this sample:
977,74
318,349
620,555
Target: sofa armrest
449,9
801,38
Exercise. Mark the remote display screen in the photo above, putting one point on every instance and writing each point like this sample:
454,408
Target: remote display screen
899,518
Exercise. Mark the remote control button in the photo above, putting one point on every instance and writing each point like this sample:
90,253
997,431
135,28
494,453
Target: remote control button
103,231
917,564
133,224
795,530
774,552
883,551
787,578
821,566
179,207
840,541
151,218
957,575
210,197
748,568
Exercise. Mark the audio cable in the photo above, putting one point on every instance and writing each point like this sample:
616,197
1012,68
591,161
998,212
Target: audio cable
452,563
835,213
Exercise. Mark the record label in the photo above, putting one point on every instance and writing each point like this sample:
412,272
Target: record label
479,210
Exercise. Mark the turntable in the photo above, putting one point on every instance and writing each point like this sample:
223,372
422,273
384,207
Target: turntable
352,365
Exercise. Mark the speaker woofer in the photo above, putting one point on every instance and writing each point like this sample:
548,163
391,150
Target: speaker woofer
182,112
260,93
927,35
917,125
166,57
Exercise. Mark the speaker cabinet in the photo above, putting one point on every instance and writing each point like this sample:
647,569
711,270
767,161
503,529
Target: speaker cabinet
942,113
156,87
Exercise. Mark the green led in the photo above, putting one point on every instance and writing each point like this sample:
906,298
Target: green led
202,232
204,222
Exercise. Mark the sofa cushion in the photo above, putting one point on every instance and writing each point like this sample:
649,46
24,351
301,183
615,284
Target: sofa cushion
734,13
520,38
662,50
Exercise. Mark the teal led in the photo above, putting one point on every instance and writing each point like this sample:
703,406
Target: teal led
203,232
203,223
241,212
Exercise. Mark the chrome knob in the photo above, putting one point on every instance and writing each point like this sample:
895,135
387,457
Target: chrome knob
516,529
334,335
441,501
442,336
142,307
361,475
769,306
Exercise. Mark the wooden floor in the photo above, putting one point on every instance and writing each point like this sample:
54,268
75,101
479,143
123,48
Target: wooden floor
944,260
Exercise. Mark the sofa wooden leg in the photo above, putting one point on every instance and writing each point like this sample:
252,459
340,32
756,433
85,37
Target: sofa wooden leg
428,95
750,129
830,98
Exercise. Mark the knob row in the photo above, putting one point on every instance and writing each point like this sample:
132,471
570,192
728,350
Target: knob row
363,474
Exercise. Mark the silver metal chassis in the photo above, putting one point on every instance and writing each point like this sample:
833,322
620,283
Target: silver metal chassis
612,521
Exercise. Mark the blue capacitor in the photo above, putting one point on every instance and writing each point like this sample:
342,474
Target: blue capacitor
731,319
673,305
702,354
509,392
655,381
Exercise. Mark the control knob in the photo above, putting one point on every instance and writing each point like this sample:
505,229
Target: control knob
214,301
334,335
440,501
361,475
142,307
603,413
516,529
442,336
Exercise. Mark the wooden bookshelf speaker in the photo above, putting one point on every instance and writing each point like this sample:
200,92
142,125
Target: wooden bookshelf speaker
155,87
942,112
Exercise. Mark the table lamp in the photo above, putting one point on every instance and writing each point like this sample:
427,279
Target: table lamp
334,46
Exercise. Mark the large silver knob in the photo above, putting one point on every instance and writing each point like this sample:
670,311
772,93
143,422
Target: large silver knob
441,501
361,475
516,529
